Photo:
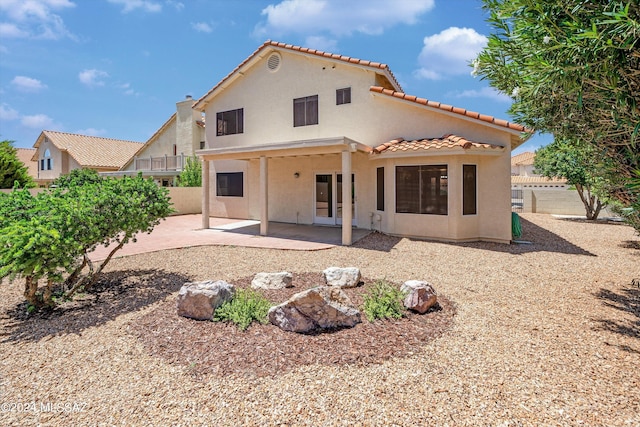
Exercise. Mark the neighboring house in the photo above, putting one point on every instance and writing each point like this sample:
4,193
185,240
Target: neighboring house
289,123
26,156
163,155
58,153
523,175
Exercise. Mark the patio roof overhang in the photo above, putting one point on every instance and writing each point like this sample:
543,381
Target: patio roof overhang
311,147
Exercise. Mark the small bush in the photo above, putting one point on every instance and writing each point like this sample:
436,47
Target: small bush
383,301
245,307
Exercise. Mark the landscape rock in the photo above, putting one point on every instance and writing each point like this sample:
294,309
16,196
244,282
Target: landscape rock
322,307
420,295
348,277
279,280
198,300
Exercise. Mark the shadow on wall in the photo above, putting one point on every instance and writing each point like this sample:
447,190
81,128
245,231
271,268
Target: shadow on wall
115,293
628,301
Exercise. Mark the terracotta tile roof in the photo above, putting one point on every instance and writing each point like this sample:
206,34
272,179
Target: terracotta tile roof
517,179
446,142
305,50
445,107
523,159
26,156
92,151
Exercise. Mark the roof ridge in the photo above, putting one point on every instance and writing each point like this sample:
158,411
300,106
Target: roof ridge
450,108
307,50
91,136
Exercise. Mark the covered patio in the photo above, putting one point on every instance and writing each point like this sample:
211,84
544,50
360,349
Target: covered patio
341,146
185,231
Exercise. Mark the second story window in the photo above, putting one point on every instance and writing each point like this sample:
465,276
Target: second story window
46,163
305,111
230,122
343,96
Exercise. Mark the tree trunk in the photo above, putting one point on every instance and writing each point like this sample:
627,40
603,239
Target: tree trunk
592,205
48,293
30,291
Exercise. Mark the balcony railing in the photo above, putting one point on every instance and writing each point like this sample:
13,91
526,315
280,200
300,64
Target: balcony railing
164,163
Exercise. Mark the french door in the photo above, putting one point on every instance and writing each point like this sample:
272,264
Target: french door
328,199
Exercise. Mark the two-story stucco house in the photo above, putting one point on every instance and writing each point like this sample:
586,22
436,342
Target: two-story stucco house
163,156
58,153
302,136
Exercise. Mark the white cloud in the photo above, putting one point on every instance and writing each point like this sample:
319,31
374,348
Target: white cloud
8,30
449,53
485,92
313,17
127,89
93,77
38,121
34,19
91,131
7,113
202,27
322,43
178,5
131,5
27,84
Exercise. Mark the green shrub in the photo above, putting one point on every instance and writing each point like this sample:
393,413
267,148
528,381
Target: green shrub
383,301
245,307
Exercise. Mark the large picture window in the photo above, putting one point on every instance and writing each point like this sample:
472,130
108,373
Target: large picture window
229,184
469,192
422,189
305,111
230,122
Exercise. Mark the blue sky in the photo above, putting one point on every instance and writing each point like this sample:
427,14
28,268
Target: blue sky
116,68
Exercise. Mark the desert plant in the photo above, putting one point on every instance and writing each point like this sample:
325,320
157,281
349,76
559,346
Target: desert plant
383,301
246,306
50,236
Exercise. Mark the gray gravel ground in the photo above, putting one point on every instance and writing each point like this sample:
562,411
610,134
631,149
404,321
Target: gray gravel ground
545,334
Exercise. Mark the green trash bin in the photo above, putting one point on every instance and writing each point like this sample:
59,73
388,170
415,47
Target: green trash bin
516,228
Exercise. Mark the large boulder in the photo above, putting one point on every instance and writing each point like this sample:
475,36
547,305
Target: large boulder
198,300
348,277
420,296
322,307
279,280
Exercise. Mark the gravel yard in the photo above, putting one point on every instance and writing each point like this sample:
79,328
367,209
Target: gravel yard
543,334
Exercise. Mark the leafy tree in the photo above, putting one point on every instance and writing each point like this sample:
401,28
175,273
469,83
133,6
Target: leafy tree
12,170
191,176
579,166
49,237
572,68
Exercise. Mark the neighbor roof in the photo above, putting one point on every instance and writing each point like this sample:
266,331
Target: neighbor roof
446,142
91,151
269,44
26,156
523,159
517,179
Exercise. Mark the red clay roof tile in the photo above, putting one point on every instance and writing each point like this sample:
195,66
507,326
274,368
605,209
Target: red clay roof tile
446,142
461,111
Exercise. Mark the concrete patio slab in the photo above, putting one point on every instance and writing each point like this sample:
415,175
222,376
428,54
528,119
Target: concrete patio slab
185,231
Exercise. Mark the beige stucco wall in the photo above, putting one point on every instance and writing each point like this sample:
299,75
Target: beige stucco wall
556,202
186,200
267,100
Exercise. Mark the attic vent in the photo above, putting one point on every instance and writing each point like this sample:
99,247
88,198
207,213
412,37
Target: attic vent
273,63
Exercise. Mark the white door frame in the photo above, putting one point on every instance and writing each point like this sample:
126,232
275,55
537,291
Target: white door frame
333,219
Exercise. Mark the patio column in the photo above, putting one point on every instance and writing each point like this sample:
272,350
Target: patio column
347,209
205,193
264,199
